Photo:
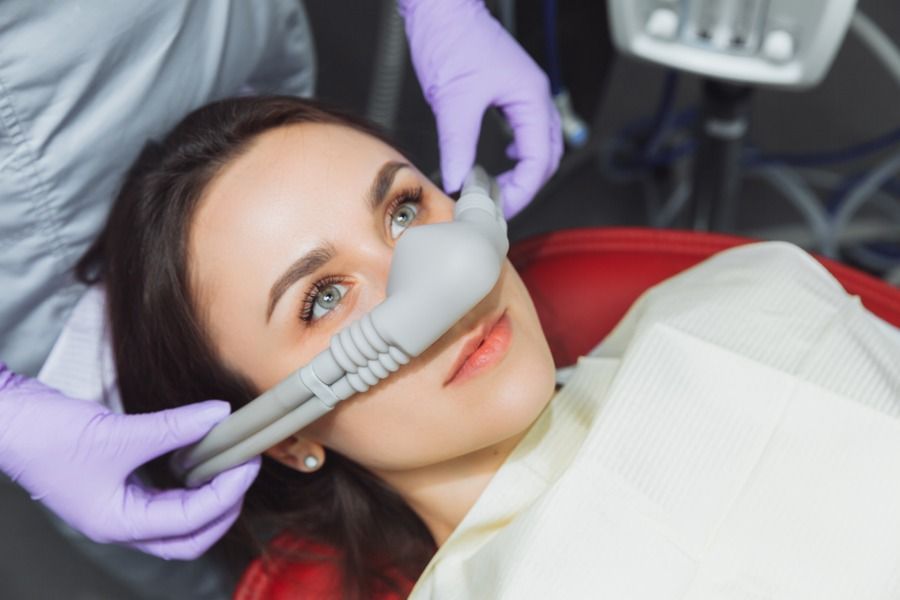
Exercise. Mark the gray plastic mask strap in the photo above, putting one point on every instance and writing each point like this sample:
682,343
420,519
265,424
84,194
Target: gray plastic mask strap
315,385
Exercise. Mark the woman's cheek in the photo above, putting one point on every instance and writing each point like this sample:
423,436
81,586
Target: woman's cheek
378,429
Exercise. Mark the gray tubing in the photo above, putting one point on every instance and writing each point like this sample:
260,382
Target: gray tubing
879,43
257,443
438,274
804,199
255,416
861,193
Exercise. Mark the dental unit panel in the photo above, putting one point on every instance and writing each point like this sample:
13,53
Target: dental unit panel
782,43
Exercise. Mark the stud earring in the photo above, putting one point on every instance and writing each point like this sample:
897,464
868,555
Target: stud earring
311,462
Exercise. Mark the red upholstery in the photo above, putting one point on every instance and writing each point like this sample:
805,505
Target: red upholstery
279,578
582,282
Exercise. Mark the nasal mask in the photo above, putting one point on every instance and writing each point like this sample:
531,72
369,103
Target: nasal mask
439,272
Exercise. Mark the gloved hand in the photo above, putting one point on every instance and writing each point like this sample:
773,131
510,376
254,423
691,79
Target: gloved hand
467,62
77,458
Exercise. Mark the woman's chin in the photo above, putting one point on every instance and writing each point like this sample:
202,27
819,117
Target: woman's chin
518,386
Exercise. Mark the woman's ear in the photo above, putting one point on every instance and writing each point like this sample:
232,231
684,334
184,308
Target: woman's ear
299,453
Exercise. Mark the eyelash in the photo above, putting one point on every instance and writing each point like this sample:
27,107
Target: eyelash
413,195
314,290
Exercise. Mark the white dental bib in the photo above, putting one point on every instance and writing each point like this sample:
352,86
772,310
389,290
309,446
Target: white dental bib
737,436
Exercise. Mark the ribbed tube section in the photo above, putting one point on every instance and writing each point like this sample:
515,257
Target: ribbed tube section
364,355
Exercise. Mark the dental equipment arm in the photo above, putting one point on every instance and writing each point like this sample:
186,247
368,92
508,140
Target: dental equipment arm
76,457
466,62
438,274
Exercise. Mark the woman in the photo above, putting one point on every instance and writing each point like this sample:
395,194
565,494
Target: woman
261,226
277,229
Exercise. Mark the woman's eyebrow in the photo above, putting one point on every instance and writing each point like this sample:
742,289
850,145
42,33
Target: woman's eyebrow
300,268
381,185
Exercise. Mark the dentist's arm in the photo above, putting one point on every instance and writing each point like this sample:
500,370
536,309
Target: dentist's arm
466,62
77,457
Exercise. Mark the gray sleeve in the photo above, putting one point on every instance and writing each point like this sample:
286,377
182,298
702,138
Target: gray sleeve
83,85
288,63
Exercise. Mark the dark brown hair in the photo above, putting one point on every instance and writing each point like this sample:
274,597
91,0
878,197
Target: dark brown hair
164,357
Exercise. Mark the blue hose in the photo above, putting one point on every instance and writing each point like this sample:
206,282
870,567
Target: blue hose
829,157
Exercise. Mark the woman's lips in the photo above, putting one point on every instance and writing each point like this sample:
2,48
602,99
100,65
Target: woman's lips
482,351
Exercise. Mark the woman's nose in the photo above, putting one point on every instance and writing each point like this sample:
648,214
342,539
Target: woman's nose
377,260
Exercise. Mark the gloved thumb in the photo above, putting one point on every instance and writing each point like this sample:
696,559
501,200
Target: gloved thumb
154,434
458,140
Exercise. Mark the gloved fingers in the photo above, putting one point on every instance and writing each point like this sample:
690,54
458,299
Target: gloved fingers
9,379
173,513
556,147
512,152
458,127
154,434
537,154
194,544
12,382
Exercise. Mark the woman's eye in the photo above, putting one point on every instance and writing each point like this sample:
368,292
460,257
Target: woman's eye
402,218
326,299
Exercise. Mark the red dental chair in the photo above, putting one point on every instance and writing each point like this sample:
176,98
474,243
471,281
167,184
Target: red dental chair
582,282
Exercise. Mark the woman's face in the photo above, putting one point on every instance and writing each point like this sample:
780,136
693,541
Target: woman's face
293,240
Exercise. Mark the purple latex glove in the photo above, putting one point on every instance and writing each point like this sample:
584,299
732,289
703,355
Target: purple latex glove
77,457
466,62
